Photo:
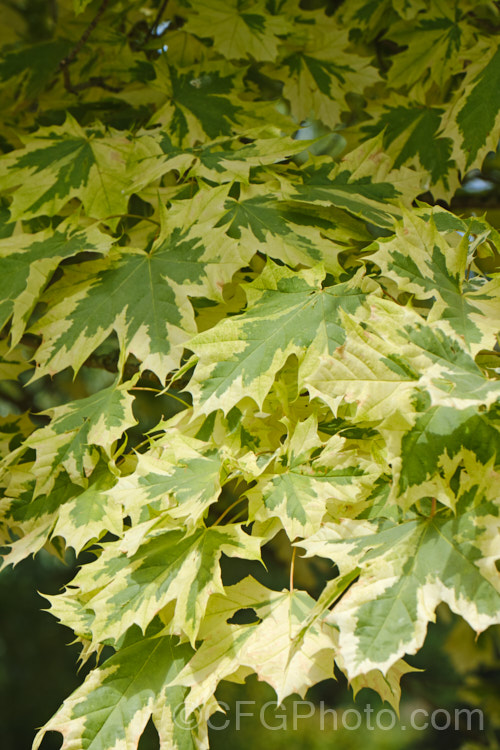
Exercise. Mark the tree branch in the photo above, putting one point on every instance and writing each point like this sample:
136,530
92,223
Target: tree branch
157,20
88,31
71,57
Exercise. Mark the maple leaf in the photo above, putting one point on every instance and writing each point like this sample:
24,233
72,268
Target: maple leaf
287,231
412,134
438,39
228,197
133,580
368,372
387,686
248,350
420,260
347,186
440,437
117,699
238,32
298,487
68,441
29,260
73,513
154,325
220,160
201,103
64,162
447,370
407,569
267,647
317,75
32,67
473,121
184,482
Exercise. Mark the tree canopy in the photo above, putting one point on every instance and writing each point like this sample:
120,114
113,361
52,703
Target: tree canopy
230,228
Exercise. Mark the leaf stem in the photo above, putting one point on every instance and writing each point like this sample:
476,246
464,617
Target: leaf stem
292,568
384,291
185,403
238,516
228,509
131,216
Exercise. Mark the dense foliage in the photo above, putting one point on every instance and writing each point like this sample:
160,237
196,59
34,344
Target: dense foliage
241,209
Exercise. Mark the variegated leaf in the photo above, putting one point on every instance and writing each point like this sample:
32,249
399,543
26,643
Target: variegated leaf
183,485
77,515
288,313
440,39
319,72
220,160
447,370
62,162
143,296
367,371
289,234
112,707
473,120
421,261
274,647
71,438
363,196
130,583
239,32
440,438
407,569
298,489
412,135
201,102
27,262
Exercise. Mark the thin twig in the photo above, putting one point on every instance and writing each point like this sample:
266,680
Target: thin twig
88,31
71,57
176,398
155,23
384,291
223,515
93,82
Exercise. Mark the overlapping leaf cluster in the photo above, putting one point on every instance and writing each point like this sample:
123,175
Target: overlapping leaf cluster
331,339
